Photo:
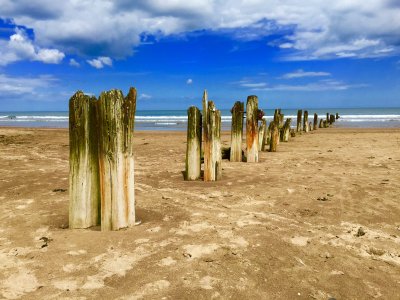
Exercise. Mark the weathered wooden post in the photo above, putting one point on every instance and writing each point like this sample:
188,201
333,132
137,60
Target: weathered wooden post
337,116
326,125
321,123
237,131
274,137
269,132
286,130
327,118
84,182
299,114
292,133
310,127
305,122
252,128
315,121
262,134
331,119
193,147
116,118
212,141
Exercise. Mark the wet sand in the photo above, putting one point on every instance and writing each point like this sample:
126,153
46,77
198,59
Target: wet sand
285,228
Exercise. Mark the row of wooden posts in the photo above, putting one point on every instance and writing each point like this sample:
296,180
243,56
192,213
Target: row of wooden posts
207,144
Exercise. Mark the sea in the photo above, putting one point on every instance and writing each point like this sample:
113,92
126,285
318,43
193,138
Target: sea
177,119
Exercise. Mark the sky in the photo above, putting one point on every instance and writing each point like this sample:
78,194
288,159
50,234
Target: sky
290,53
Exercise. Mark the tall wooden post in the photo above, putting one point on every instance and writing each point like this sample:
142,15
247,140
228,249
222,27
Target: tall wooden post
252,128
327,118
337,116
305,122
310,126
321,123
299,114
84,182
274,137
286,130
237,131
331,119
212,141
262,134
193,147
116,118
315,121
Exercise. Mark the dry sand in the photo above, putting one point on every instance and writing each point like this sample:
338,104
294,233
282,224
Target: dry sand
285,228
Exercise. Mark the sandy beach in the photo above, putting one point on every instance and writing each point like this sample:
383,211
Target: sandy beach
318,219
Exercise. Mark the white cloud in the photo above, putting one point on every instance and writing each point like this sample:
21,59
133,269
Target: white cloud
100,62
306,29
145,96
189,81
24,85
300,74
253,85
20,47
74,63
322,85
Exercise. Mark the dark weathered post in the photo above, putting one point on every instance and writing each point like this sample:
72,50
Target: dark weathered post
292,133
211,138
327,118
84,182
331,119
299,114
305,122
337,116
315,121
286,130
274,137
252,128
310,127
193,147
237,132
262,134
326,124
116,118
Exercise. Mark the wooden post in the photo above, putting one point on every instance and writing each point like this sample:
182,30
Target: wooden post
310,127
252,128
331,119
265,137
262,134
237,132
286,130
274,137
315,121
326,125
321,123
84,182
269,133
337,116
193,147
116,118
212,141
292,133
299,114
305,122
327,118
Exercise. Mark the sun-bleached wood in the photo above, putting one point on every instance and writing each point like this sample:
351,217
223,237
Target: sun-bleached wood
274,137
84,183
252,128
262,134
315,125
321,123
286,130
305,122
116,118
299,116
193,146
237,131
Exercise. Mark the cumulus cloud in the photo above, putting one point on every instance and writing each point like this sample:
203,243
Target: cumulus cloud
306,29
300,74
145,96
74,63
20,47
189,81
100,62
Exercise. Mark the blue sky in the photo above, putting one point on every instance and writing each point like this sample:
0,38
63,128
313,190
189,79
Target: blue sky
290,55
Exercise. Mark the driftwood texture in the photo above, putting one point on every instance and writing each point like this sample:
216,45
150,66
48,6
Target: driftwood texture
299,115
262,134
116,118
212,140
331,119
286,130
321,123
237,132
315,125
84,182
305,122
252,128
193,147
274,137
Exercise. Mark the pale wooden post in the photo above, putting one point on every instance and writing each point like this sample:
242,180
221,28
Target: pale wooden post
310,127
84,182
286,130
326,124
321,123
212,141
305,122
299,114
315,121
269,132
237,131
252,128
262,134
193,147
116,118
274,137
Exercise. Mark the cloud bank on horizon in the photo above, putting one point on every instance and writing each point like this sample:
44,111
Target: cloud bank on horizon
100,31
